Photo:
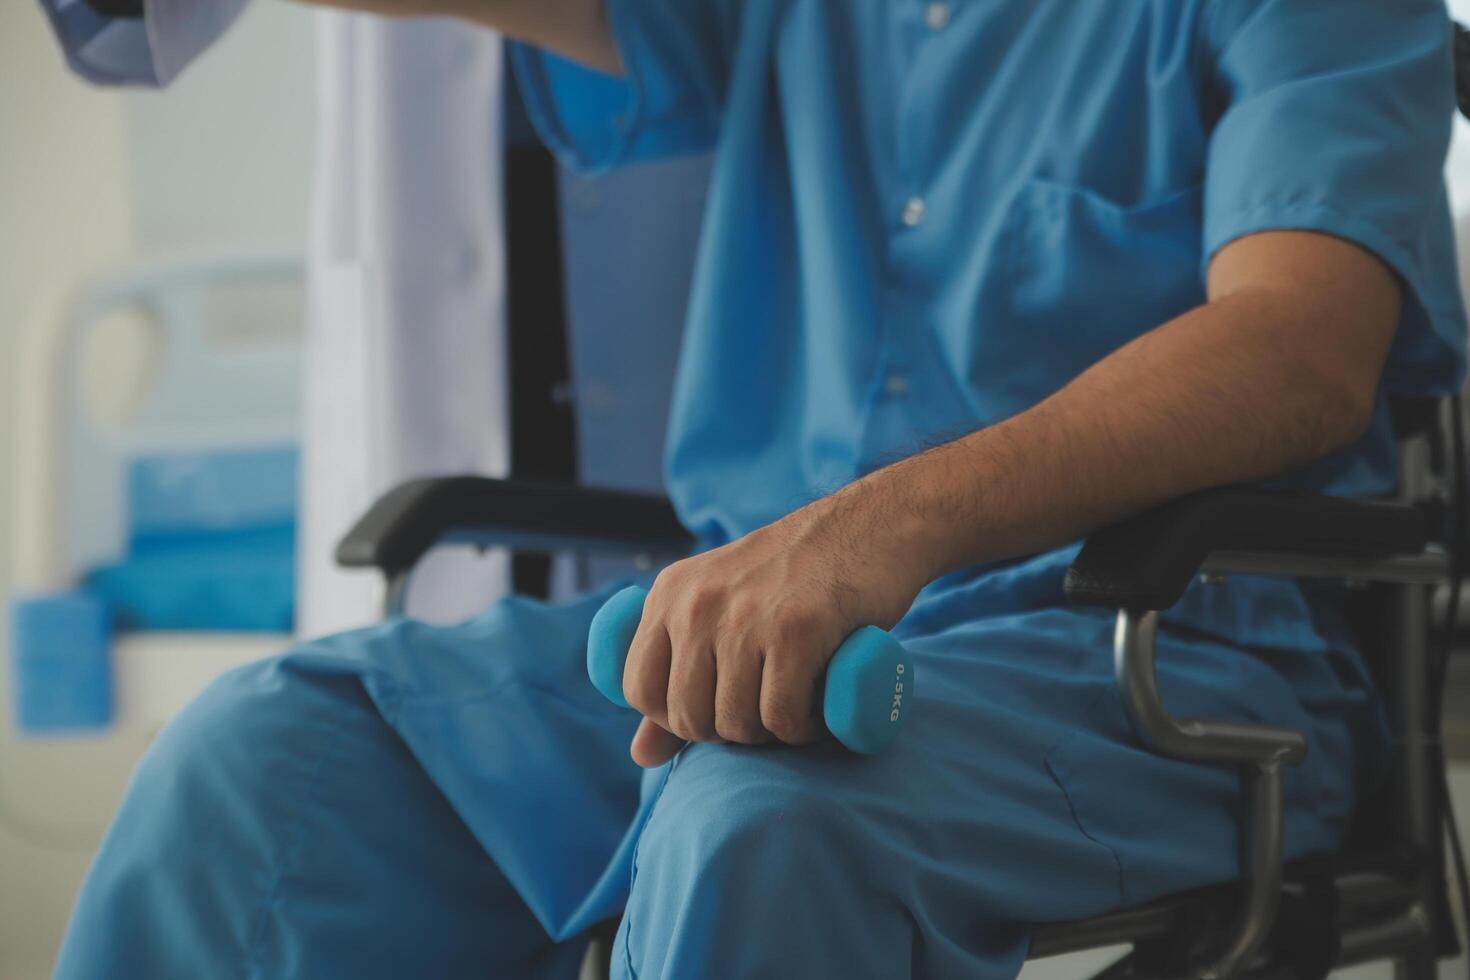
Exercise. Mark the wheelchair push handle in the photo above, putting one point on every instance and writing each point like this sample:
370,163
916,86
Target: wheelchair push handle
865,696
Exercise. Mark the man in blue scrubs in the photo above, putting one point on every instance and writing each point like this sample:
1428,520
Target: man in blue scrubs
978,277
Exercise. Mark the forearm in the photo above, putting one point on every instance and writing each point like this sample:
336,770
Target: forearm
1257,382
1281,366
576,29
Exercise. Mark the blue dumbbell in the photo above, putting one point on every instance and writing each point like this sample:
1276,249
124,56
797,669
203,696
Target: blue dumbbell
869,685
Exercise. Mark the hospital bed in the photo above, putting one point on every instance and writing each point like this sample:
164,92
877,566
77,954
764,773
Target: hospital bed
224,397
155,481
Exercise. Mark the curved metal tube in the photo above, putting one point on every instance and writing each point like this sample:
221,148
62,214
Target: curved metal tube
395,594
1262,856
1188,739
1261,752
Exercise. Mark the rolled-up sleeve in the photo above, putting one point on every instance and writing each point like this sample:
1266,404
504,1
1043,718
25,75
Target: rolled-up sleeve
150,50
1335,117
676,59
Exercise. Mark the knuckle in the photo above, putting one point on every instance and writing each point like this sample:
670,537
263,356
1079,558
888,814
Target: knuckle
735,722
727,729
742,610
641,694
791,626
738,730
666,581
644,689
690,727
783,719
701,599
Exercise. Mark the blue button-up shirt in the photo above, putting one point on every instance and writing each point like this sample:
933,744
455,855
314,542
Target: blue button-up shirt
925,217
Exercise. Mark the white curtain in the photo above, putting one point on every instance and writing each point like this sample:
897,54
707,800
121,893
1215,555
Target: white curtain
406,358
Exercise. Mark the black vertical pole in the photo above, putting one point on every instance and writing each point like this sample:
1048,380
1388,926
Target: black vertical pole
542,426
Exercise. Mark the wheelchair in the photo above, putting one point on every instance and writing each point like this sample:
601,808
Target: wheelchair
1382,897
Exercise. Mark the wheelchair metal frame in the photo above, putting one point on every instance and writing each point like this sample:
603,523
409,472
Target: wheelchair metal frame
1385,912
1262,753
1396,914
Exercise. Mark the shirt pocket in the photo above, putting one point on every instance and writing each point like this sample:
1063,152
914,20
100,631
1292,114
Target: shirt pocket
1083,275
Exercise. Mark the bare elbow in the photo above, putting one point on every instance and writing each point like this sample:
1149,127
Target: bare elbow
1330,309
1344,410
1338,378
1348,376
1361,402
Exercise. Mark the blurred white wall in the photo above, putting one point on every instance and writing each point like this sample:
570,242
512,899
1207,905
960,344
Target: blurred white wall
65,207
88,179
224,155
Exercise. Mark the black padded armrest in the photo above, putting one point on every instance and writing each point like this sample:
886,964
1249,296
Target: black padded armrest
411,519
1146,562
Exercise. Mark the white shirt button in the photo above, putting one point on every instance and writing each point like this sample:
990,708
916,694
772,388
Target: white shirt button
896,385
936,15
913,212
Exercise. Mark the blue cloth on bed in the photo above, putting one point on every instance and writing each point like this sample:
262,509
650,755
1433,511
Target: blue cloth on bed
211,544
234,581
60,668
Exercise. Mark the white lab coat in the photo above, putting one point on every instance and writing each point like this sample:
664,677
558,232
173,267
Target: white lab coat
406,360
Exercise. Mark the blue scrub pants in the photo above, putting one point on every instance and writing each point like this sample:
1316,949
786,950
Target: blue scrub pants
410,801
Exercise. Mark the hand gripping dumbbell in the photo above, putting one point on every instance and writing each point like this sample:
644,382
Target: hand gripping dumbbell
865,695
